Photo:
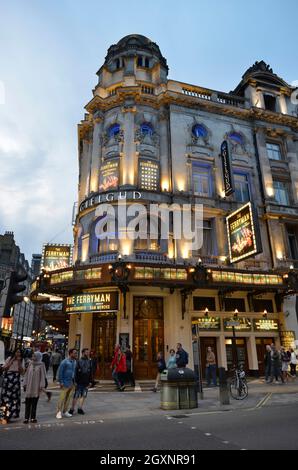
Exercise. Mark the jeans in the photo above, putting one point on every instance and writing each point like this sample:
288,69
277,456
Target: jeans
55,368
118,378
267,372
211,373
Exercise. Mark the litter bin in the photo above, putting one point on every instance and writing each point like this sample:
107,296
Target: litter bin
178,389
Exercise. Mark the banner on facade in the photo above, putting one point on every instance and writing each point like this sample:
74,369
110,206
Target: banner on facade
265,324
56,256
241,324
207,323
92,302
228,178
109,175
243,233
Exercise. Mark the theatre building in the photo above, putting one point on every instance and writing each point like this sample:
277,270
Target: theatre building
147,139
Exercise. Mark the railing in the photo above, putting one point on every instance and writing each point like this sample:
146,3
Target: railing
204,95
151,257
109,258
213,96
147,90
287,263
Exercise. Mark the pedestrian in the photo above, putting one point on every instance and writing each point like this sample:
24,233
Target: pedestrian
93,359
55,361
66,377
267,363
46,359
34,383
293,362
275,365
161,366
129,372
210,367
181,356
171,363
118,367
83,380
11,387
285,361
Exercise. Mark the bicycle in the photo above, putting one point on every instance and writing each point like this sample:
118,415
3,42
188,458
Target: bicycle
238,384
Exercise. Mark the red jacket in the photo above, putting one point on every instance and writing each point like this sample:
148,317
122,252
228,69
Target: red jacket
119,361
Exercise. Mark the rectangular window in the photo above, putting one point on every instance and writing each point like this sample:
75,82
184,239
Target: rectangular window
149,175
201,303
260,305
241,187
208,247
293,244
281,192
201,180
232,304
273,151
270,102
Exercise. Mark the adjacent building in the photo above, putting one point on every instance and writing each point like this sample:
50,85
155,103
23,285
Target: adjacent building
148,139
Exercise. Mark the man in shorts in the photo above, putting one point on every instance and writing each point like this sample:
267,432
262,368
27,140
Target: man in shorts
83,380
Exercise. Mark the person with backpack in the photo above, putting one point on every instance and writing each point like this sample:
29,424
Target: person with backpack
181,356
161,366
83,380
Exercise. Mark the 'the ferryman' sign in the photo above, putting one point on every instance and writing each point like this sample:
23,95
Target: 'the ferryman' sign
92,302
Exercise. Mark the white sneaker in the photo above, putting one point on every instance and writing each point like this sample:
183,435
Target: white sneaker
68,415
59,415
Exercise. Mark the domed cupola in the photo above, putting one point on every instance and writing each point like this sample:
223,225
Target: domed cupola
135,55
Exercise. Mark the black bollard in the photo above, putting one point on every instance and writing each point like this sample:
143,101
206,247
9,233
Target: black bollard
224,395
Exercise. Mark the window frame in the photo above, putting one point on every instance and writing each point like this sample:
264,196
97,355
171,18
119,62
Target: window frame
208,168
287,185
281,152
248,184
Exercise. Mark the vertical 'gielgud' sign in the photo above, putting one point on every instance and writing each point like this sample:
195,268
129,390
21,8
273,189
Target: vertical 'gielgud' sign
226,168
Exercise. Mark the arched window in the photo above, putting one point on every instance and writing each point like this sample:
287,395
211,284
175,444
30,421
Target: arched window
114,130
236,138
146,129
140,61
118,64
199,130
147,62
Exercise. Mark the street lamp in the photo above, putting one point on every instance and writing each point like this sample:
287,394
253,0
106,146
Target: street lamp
234,346
265,314
26,300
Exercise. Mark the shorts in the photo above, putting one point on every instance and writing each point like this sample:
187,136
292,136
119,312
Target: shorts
285,366
81,391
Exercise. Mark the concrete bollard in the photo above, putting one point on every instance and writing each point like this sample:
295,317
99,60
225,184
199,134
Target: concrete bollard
224,395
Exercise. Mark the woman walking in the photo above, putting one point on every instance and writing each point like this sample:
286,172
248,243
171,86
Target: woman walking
293,362
34,383
11,388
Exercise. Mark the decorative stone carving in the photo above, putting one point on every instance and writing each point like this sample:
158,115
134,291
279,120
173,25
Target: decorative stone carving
237,141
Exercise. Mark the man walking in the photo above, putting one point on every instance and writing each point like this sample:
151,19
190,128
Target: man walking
83,380
267,363
66,379
210,367
55,360
181,356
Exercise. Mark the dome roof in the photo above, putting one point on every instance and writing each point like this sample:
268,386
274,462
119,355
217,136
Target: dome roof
135,42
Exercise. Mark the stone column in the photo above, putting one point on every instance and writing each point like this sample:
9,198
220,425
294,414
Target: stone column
222,355
265,164
252,354
85,161
96,153
129,148
165,171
